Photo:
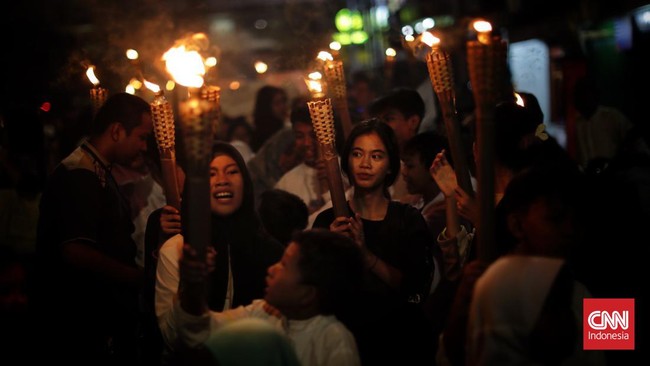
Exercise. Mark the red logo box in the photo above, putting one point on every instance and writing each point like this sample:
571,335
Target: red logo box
608,324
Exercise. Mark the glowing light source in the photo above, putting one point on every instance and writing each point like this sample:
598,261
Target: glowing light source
315,85
211,61
261,67
343,20
484,30
186,66
390,53
429,39
519,100
132,54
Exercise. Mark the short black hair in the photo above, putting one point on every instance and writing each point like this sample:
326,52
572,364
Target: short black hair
282,213
300,114
427,145
332,263
406,100
122,107
234,122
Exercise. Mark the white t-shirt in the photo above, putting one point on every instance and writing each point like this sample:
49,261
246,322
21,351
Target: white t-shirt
318,341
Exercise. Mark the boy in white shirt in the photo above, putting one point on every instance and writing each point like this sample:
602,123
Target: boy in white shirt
304,290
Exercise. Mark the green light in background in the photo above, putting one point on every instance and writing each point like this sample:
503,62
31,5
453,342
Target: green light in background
343,20
357,20
359,37
342,38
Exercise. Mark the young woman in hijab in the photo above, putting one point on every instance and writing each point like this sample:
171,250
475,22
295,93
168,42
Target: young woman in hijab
243,249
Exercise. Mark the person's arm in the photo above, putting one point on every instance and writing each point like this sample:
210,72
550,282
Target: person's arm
167,280
353,228
445,177
387,273
83,256
450,246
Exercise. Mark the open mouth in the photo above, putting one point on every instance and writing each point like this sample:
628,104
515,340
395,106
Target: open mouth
223,195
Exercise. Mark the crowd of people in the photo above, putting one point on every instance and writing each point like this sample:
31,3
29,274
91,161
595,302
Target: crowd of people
96,268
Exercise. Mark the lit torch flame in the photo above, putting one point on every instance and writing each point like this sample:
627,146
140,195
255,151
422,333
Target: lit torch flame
315,85
483,28
519,100
91,75
151,86
325,56
430,40
98,95
185,66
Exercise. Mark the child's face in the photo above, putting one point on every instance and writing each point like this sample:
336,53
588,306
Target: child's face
368,161
415,174
404,128
284,288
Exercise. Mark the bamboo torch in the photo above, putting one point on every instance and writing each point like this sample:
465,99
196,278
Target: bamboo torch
322,118
212,94
186,67
335,76
164,130
442,81
487,64
98,94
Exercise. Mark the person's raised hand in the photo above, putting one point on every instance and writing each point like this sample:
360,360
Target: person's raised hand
443,174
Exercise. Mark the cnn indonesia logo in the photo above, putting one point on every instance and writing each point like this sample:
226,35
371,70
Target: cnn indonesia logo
608,324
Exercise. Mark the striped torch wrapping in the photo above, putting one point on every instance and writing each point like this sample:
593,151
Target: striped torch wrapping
322,118
164,130
335,76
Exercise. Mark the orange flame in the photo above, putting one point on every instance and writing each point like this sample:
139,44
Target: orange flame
315,84
91,75
185,66
483,28
325,56
151,86
429,39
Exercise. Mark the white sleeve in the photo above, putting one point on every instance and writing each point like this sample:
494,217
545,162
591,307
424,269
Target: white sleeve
194,330
167,280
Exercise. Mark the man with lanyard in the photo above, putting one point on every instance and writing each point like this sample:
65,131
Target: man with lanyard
87,279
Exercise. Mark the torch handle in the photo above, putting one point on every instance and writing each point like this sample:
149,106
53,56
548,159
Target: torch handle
486,226
344,112
198,225
455,143
170,183
339,202
487,66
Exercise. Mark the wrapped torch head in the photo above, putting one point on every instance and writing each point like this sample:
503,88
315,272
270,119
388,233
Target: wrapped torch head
163,123
98,96
212,94
336,79
322,118
440,72
487,64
